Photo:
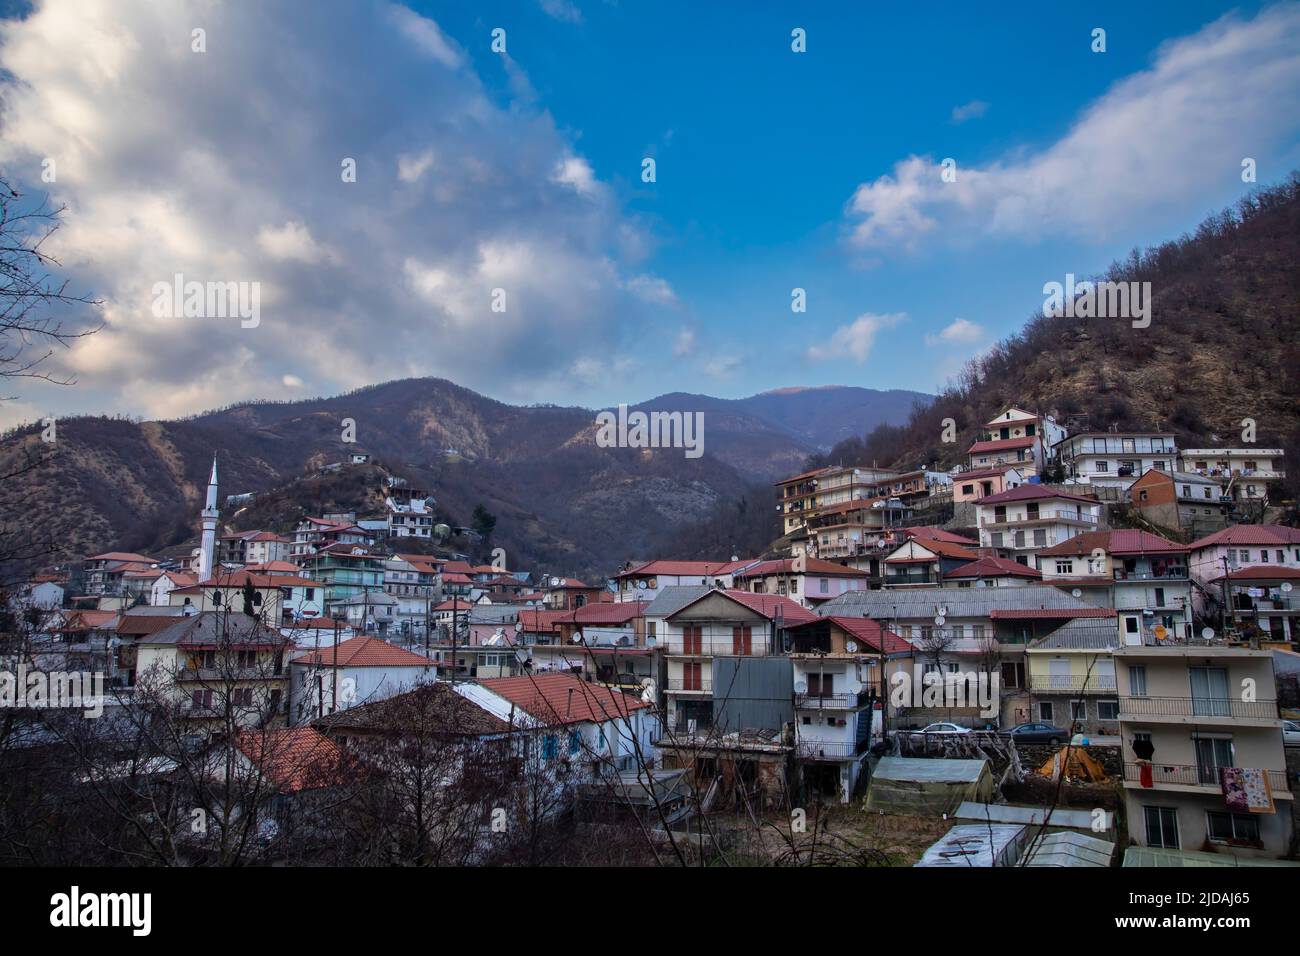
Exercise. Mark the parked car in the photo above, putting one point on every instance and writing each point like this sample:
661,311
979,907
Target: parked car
1038,734
1291,732
943,728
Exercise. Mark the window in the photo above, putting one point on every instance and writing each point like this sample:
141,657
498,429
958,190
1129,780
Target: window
1013,674
550,747
1040,537
977,631
693,639
1263,556
1102,465
1210,691
742,640
1162,827
574,742
1224,827
1187,491
1137,680
692,676
1281,556
1078,710
1211,754
968,489
1108,710
821,685
1045,711
1064,567
825,585
997,539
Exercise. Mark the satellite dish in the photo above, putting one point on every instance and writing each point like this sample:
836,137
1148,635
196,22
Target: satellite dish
981,583
943,611
1207,633
1287,587
577,637
519,626
851,646
940,620
555,582
640,585
800,687
1076,593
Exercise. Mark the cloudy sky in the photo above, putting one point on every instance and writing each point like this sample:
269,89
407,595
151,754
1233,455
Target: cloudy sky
521,170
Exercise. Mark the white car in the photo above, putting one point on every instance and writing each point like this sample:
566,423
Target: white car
943,728
1291,732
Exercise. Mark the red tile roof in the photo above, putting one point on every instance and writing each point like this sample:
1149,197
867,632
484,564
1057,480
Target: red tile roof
989,567
236,579
871,633
1270,534
608,613
930,533
558,699
767,604
362,652
983,472
543,621
800,477
296,758
945,549
1030,492
1261,572
1113,542
702,569
121,556
1002,444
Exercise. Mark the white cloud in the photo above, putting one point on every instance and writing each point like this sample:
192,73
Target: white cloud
576,173
957,332
290,242
722,366
562,10
411,167
652,289
855,339
226,166
685,343
968,111
1177,130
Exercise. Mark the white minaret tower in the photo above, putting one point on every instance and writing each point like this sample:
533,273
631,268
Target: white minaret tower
208,543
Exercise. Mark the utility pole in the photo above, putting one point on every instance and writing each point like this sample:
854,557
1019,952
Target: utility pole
1227,597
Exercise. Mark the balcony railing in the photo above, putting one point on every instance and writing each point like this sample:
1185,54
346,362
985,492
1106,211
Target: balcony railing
1195,776
1197,707
832,701
1172,574
1050,515
703,685
825,750
1063,683
723,646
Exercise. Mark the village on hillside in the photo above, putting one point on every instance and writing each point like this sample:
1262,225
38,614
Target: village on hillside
1078,648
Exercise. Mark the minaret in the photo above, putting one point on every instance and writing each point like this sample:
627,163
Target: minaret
209,541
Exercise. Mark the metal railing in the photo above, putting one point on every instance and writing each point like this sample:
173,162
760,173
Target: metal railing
1093,684
825,750
832,701
1050,515
704,685
1197,707
722,647
1173,574
1195,775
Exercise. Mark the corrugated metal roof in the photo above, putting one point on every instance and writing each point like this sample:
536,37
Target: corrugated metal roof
1081,634
960,602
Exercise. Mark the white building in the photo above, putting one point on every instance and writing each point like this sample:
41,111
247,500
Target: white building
643,581
357,671
1244,474
1019,523
1115,459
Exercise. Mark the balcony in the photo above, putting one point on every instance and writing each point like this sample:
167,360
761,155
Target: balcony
826,750
832,701
1184,775
1066,684
680,685
757,647
1197,707
1170,574
1041,517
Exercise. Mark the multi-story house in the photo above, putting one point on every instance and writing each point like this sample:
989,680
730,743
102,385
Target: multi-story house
803,579
568,594
278,598
969,631
1181,501
1019,523
1143,576
103,573
839,698
608,642
1072,677
1235,549
312,534
254,547
409,514
919,562
357,671
851,531
1016,436
643,580
695,624
1202,744
412,580
805,496
990,572
1262,602
1243,474
982,482
346,572
1115,459
220,666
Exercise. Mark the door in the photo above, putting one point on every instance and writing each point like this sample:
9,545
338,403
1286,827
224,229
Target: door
1211,754
693,639
1210,691
742,641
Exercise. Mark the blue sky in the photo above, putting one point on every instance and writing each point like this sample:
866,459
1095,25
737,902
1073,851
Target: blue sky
775,170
